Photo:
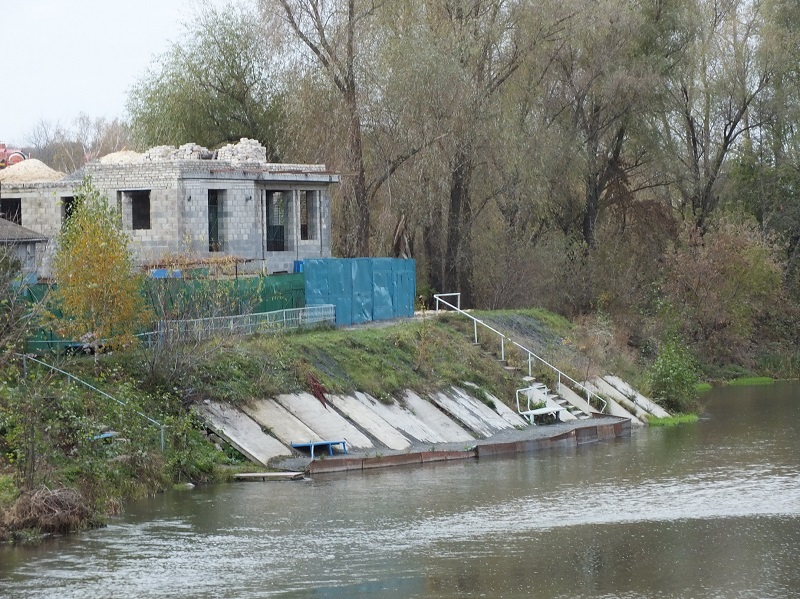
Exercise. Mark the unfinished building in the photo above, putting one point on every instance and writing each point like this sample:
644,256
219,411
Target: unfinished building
188,201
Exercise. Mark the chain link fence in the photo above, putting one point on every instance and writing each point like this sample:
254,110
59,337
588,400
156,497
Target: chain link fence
200,329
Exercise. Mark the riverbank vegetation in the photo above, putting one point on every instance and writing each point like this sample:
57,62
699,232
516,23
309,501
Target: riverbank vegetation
631,162
94,440
673,420
629,168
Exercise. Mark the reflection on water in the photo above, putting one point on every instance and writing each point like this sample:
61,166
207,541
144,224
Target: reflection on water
704,510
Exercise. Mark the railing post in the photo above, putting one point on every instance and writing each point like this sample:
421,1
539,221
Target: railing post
475,327
530,370
502,348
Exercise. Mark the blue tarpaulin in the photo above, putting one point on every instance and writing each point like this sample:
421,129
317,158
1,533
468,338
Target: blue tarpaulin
362,289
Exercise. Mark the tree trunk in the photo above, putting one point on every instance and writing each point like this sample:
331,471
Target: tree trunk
431,239
359,185
457,267
591,209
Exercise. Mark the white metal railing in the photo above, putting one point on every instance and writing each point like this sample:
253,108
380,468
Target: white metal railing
199,329
590,395
25,359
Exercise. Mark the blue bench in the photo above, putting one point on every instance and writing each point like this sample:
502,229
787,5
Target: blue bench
310,445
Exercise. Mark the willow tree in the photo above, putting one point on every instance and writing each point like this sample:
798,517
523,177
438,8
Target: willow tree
460,56
335,86
712,96
98,291
212,86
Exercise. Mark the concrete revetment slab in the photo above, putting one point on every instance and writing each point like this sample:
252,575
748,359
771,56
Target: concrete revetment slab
279,421
326,422
636,397
613,407
609,390
444,426
476,416
242,432
361,412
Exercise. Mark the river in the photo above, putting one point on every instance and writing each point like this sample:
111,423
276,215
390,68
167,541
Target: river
705,510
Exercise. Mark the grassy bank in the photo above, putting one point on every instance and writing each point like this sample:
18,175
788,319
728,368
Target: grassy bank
81,450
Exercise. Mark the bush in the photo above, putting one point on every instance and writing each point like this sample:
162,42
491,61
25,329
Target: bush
727,283
673,376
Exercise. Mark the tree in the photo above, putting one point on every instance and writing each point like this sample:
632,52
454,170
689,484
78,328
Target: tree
15,311
214,86
98,291
68,149
711,97
723,284
333,33
461,56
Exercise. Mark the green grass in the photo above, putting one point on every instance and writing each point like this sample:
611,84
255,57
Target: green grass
702,387
751,380
383,362
673,420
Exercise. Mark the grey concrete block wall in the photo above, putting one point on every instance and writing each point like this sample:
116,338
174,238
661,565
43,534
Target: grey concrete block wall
179,208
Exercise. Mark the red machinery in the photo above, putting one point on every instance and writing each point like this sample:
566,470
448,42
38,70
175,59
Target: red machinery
10,156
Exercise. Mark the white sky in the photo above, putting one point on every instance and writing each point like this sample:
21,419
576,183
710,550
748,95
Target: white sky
64,57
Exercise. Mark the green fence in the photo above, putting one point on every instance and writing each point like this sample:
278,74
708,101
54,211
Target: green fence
176,298
184,298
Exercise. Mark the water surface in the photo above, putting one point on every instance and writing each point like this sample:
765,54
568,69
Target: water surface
710,509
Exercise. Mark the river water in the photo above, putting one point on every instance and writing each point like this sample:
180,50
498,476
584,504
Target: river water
706,510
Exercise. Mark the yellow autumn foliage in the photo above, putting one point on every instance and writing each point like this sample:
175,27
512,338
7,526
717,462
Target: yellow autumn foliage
98,289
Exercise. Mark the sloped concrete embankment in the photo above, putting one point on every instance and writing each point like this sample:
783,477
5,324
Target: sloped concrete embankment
446,425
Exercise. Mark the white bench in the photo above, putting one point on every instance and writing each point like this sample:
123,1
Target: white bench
550,407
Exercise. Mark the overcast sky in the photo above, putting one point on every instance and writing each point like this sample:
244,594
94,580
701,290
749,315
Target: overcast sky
64,57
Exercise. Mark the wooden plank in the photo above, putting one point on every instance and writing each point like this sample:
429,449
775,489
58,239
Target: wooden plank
264,476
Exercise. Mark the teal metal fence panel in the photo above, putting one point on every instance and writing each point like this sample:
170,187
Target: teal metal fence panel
362,289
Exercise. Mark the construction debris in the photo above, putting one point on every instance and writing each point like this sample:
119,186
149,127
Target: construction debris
247,150
30,171
121,157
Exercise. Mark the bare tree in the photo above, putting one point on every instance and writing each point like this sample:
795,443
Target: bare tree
68,149
710,101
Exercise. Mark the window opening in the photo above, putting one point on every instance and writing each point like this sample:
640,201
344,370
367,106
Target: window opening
308,215
276,221
214,220
140,208
11,209
67,206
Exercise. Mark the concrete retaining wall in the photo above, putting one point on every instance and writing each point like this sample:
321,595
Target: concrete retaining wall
587,433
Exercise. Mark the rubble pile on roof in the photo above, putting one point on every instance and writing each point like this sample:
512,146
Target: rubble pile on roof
247,150
190,151
121,157
30,171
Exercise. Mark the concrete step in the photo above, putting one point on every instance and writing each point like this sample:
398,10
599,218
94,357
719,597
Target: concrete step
574,410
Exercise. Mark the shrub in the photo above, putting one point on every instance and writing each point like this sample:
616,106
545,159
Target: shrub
673,376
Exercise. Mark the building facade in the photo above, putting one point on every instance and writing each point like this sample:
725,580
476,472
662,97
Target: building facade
193,202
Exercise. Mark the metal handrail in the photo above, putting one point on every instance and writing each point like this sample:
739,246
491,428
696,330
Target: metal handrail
531,356
25,359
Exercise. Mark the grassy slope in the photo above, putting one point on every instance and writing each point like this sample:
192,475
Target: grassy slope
382,361
422,355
